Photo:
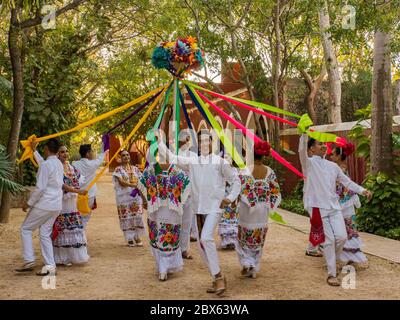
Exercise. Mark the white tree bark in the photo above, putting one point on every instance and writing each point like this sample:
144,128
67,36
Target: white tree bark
382,111
335,89
397,106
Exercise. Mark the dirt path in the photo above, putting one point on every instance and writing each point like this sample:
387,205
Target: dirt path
118,272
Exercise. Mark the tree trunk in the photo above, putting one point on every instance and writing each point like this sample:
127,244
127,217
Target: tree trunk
276,67
397,107
382,112
18,103
313,88
335,89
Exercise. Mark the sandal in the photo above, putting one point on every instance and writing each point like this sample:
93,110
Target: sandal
222,289
27,266
46,272
131,243
187,256
139,243
211,289
316,254
162,276
333,281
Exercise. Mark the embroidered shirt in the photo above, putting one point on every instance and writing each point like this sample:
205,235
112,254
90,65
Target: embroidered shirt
168,189
260,190
208,176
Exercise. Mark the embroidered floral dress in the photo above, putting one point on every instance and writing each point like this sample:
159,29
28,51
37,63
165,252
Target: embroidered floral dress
129,203
228,225
166,193
257,198
348,201
69,239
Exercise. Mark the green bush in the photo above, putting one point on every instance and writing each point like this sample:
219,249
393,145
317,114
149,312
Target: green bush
381,214
294,205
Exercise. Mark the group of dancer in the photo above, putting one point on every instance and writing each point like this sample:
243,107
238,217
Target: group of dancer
187,192
53,207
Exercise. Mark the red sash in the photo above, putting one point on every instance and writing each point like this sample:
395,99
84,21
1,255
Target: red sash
54,234
317,235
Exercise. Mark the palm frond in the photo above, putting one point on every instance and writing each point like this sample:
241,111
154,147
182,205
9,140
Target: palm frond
6,176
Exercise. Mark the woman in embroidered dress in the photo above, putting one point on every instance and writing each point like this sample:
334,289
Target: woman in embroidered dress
129,200
260,193
348,201
69,239
166,190
228,225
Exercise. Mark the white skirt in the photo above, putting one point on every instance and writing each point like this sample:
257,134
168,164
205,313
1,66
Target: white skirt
71,255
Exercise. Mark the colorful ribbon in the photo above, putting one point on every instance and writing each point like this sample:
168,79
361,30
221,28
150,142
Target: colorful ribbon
83,200
221,135
250,134
26,144
249,102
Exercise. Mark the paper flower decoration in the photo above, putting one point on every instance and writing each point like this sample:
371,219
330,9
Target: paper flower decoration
178,57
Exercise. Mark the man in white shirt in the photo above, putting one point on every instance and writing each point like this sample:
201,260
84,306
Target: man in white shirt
208,175
322,203
88,166
44,205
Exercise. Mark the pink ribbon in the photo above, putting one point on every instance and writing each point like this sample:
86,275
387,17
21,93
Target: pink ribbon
248,133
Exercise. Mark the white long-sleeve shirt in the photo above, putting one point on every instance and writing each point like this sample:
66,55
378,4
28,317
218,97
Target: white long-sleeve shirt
321,177
88,169
49,181
208,176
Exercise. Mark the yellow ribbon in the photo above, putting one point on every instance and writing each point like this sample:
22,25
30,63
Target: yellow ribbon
83,200
26,144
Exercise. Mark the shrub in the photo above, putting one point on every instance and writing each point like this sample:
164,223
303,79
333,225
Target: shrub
381,214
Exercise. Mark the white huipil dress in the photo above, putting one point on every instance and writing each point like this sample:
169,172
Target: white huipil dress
348,201
129,203
69,239
166,193
228,225
257,198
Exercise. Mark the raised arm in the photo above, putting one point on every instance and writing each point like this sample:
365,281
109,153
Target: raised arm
182,162
97,162
39,159
303,155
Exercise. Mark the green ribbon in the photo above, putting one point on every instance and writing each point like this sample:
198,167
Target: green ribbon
304,125
221,135
177,116
150,134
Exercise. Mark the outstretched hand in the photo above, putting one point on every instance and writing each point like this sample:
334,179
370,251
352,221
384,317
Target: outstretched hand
367,194
224,203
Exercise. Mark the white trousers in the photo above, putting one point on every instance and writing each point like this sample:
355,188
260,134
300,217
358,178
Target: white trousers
193,231
187,219
44,221
208,248
335,237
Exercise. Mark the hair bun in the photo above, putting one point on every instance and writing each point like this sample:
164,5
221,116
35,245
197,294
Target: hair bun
348,149
262,148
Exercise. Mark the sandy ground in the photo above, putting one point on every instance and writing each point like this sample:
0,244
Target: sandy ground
116,271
